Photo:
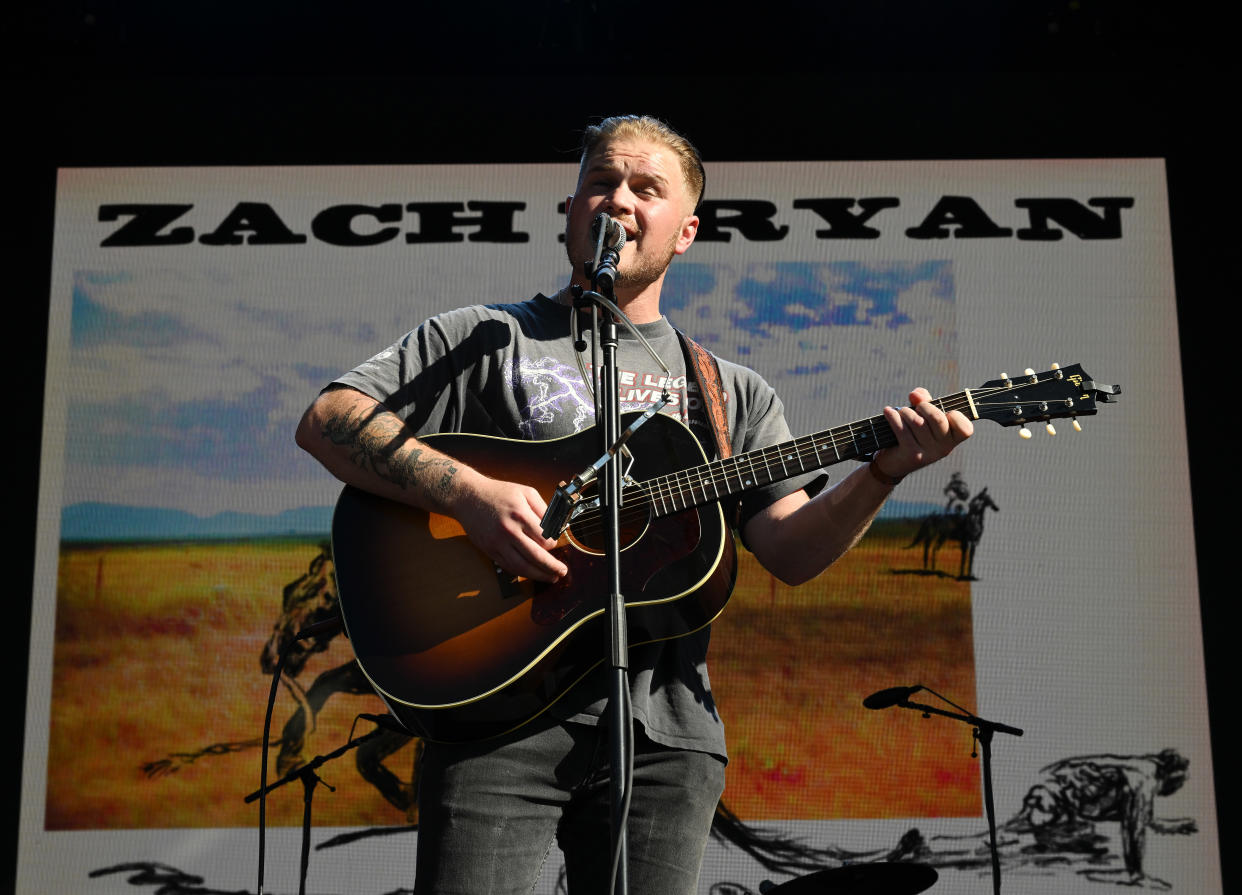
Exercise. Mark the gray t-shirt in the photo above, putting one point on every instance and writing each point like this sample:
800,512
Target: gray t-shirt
510,371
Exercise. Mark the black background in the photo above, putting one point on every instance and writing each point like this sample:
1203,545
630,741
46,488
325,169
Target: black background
108,82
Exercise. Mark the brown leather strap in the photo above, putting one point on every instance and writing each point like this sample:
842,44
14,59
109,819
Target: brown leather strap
707,373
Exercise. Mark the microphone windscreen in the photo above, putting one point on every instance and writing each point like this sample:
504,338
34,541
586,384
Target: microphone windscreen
616,234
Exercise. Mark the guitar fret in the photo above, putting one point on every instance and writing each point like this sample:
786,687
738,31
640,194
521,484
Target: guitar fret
754,473
753,480
663,502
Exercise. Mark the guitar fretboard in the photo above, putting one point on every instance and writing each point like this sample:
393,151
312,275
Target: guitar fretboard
734,475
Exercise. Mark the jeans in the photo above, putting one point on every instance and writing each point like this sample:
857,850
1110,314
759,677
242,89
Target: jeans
488,814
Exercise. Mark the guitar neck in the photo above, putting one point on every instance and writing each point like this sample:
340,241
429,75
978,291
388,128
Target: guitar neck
735,475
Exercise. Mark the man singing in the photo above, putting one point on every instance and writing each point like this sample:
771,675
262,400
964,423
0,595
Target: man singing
490,811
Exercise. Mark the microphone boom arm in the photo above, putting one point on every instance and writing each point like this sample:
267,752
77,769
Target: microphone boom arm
974,720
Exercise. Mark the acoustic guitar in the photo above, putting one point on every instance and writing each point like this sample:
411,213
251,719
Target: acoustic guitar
460,650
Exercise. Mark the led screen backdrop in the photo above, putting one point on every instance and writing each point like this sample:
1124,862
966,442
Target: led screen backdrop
1046,583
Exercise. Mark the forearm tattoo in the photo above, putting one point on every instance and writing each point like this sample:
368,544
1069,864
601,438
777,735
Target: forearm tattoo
375,441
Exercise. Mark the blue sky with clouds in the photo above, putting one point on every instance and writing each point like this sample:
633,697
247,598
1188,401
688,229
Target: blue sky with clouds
186,385
837,340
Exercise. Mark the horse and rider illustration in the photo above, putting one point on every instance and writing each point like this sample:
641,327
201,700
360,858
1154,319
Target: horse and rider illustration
961,521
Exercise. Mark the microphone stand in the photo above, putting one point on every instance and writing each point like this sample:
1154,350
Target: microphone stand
608,422
310,779
983,732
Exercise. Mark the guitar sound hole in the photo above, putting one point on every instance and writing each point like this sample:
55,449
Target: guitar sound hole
586,524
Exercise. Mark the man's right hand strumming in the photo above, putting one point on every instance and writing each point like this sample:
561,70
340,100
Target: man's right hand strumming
364,444
503,519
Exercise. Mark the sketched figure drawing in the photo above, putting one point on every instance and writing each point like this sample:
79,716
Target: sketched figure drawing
1062,811
1054,834
307,600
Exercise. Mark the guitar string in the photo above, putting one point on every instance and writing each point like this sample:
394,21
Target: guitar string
682,486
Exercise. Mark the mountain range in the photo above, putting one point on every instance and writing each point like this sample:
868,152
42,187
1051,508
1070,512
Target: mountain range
117,522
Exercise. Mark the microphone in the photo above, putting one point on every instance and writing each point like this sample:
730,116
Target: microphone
883,699
609,237
611,229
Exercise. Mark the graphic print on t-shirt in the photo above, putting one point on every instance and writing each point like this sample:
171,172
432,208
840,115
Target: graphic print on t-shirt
553,392
554,401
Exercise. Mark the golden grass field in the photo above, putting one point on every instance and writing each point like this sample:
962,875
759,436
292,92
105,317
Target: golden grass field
157,654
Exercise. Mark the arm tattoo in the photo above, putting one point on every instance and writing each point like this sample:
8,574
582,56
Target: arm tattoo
414,469
374,441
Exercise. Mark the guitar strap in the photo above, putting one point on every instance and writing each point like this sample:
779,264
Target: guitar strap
702,364
707,373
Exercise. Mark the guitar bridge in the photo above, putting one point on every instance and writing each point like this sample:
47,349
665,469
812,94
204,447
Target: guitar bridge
510,585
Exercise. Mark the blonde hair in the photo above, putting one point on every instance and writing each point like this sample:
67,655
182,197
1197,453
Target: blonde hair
645,127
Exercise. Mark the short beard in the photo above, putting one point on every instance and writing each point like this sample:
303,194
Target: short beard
637,272
643,272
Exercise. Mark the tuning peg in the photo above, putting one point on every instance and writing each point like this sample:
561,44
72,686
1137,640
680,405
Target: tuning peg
1024,432
1056,366
1050,429
1077,425
1028,372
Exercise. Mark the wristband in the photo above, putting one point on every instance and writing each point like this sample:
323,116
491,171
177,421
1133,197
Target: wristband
882,477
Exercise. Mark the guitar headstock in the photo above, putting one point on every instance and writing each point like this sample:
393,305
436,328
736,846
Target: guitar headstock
1059,393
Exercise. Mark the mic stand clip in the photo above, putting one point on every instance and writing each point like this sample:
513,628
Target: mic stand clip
568,494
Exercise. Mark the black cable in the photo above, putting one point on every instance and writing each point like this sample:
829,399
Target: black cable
267,730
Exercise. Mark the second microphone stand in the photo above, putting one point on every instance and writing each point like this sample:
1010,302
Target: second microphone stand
983,732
